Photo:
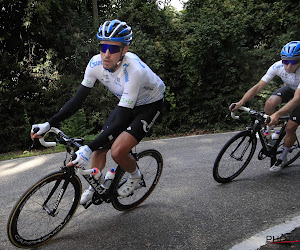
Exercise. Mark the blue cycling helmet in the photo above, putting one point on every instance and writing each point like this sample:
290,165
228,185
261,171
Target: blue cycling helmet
115,31
291,50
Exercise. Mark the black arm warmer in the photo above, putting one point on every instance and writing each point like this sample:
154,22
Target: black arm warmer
71,107
118,122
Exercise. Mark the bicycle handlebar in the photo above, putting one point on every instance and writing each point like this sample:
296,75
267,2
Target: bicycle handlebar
49,144
241,108
250,111
62,135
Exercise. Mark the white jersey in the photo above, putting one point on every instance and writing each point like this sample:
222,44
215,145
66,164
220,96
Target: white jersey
134,83
290,79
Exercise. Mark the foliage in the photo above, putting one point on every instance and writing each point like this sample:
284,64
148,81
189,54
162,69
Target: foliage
208,55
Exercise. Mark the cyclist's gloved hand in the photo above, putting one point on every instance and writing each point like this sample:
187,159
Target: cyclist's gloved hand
42,129
83,156
234,106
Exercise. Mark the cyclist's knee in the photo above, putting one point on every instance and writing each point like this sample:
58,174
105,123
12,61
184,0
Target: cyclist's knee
291,127
271,104
118,152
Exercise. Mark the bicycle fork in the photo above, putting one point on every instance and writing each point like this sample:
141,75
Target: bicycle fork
243,152
61,193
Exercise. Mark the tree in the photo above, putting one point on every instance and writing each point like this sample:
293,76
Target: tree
39,39
208,55
95,13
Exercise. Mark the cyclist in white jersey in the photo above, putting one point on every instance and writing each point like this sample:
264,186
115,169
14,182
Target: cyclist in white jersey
134,83
140,92
289,71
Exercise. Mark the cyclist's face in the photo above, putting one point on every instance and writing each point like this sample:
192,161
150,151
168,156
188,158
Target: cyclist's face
111,56
290,68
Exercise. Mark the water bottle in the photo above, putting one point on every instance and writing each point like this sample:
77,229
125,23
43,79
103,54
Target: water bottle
97,174
267,134
108,179
275,136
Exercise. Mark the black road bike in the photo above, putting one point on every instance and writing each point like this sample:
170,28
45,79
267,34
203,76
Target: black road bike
46,207
239,150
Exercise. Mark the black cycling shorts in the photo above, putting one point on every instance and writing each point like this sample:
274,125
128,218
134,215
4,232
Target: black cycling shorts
287,94
141,119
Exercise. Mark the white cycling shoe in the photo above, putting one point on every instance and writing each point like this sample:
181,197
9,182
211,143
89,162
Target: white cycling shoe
128,187
86,196
279,164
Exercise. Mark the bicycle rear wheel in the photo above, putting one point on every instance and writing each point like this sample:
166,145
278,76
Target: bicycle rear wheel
150,163
31,222
234,157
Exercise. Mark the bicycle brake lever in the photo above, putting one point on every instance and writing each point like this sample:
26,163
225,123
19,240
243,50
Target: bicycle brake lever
268,120
232,113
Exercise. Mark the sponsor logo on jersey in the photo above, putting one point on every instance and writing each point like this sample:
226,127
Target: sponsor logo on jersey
148,88
125,65
277,66
94,64
139,61
87,81
124,100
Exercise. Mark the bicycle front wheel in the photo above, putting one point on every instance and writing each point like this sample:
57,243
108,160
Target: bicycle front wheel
234,157
150,164
44,210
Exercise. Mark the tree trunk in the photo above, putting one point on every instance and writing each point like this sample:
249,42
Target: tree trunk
95,13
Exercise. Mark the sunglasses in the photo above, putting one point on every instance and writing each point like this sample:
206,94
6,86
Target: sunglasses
293,62
112,48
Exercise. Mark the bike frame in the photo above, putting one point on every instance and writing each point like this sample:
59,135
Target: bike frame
100,195
256,127
270,151
70,171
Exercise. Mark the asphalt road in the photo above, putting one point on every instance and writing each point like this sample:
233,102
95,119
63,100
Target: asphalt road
187,210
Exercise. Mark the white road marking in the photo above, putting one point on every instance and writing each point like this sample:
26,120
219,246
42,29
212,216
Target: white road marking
260,239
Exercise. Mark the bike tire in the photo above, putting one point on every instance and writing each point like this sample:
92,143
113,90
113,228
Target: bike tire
150,163
29,224
228,164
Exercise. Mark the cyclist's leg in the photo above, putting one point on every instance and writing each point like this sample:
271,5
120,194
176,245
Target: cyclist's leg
281,95
120,154
120,151
290,137
289,140
144,118
99,159
291,128
271,104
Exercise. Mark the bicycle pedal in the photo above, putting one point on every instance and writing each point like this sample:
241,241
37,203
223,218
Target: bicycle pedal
86,205
261,155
